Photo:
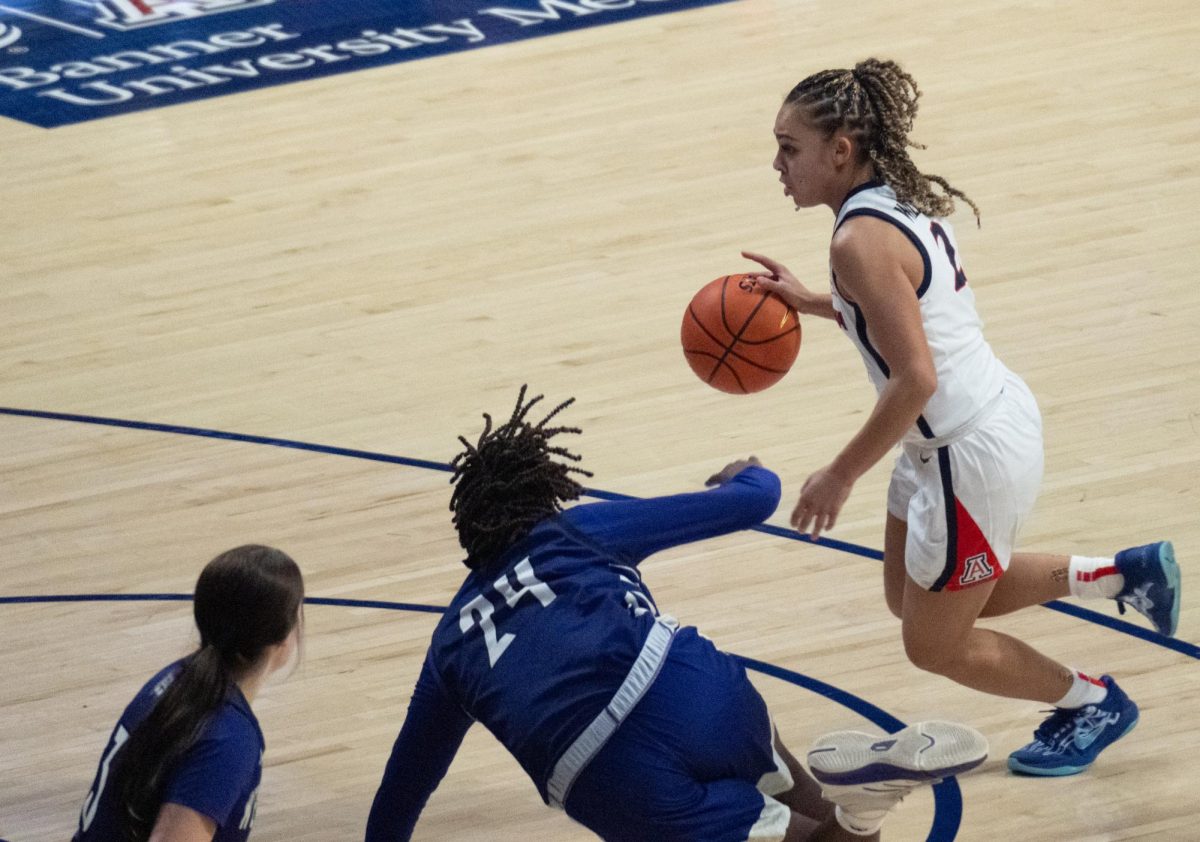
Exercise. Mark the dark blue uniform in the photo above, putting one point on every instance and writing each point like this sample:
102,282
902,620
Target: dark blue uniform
560,651
217,777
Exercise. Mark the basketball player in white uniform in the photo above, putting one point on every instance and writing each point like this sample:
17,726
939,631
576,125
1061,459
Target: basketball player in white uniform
969,429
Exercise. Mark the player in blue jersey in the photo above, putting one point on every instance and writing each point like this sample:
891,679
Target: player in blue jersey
184,760
634,726
969,430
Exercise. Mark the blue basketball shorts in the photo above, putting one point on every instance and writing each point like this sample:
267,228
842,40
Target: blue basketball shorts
693,762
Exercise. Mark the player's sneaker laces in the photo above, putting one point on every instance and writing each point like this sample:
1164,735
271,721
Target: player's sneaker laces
1069,740
867,775
1151,584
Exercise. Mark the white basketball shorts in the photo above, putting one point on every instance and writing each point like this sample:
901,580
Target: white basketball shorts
965,499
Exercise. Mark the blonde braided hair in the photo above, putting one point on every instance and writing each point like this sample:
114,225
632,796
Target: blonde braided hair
876,103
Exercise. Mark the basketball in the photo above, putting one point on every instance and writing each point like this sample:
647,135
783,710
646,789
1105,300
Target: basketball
738,338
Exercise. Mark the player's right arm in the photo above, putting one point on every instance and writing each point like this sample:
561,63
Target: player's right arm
433,730
879,270
780,280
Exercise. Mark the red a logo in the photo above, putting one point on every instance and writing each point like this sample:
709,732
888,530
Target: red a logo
976,569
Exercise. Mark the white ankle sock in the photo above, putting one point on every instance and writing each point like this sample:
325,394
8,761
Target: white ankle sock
1094,577
861,823
1085,690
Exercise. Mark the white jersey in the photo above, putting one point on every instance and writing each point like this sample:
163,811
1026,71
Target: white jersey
969,376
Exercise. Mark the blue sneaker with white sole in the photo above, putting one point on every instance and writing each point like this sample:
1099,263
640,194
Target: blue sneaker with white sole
1070,739
1152,584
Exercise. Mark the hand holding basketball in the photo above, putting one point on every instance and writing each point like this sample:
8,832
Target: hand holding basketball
779,280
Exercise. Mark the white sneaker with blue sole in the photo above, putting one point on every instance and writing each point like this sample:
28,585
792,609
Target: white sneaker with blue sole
867,775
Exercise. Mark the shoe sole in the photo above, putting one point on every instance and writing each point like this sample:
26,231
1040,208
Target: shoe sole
1170,568
1061,771
924,752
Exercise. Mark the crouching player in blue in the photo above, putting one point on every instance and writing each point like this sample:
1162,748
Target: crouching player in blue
184,760
636,727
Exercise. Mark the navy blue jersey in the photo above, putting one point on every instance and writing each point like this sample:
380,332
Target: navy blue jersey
536,647
217,777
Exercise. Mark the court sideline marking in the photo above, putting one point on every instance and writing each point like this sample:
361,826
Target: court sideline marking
1174,644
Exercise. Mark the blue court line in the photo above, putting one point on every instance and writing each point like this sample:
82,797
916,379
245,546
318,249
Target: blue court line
1150,636
947,797
183,597
1174,644
218,434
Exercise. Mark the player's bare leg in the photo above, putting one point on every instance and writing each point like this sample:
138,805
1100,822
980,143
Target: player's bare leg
1031,579
805,795
804,829
895,536
940,637
813,818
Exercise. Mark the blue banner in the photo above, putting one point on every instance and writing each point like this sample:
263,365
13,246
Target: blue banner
67,61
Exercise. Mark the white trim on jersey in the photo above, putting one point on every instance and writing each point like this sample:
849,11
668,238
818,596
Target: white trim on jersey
772,822
969,376
641,675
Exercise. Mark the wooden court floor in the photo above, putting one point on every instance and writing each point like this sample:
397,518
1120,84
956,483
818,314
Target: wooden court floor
369,261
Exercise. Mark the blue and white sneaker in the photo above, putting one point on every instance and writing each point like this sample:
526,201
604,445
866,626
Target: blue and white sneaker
1151,584
1070,739
867,775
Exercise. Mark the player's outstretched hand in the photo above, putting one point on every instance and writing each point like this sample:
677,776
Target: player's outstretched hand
732,470
821,499
779,280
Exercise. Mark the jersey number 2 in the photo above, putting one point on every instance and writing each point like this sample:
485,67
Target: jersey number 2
480,609
939,234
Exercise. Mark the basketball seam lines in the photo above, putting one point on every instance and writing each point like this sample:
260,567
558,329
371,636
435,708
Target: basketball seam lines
741,330
730,351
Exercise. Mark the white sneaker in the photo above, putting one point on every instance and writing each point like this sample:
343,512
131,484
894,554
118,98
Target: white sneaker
867,775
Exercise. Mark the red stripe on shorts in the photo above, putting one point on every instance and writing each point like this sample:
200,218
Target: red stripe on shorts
974,560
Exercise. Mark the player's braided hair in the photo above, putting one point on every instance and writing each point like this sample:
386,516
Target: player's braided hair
508,481
876,103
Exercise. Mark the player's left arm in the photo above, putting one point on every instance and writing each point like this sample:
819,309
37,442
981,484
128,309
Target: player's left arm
432,732
878,269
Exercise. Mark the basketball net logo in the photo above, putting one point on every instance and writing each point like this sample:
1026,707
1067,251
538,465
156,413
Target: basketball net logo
976,569
134,14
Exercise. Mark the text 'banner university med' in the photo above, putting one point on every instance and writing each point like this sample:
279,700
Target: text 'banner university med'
66,61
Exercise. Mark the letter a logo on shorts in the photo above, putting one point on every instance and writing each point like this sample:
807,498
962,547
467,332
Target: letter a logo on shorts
132,14
976,569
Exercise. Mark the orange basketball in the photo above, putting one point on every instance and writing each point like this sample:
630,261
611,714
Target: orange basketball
739,338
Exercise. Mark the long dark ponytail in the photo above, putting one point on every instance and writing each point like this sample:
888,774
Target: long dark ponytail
247,599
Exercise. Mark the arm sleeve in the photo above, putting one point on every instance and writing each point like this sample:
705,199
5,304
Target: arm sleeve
432,732
220,770
633,529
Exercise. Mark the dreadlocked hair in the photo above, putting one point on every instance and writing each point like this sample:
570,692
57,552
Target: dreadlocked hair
876,103
508,481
